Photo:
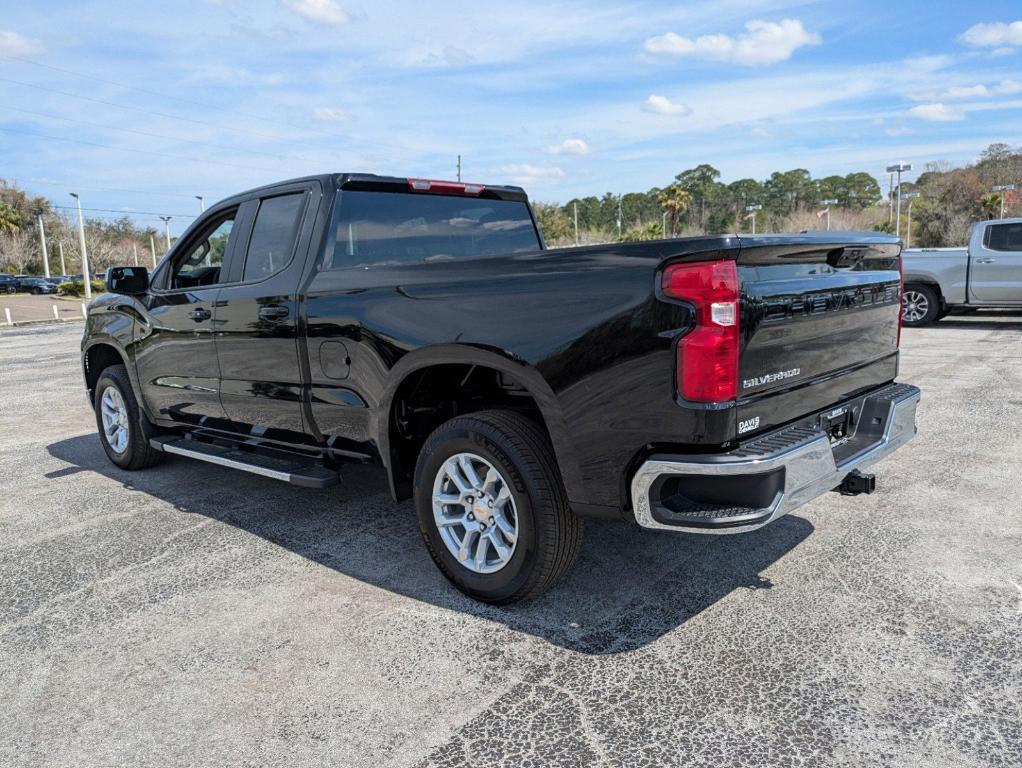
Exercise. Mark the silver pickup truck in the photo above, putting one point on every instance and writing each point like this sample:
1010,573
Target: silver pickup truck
987,273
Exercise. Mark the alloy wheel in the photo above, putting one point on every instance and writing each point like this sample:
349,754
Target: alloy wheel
914,306
475,513
115,419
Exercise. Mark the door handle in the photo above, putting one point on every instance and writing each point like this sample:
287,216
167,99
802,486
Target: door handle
273,312
985,261
198,315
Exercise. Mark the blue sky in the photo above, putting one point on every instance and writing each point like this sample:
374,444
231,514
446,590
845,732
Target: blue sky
140,107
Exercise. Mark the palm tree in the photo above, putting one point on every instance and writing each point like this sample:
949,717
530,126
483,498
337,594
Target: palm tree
675,201
10,219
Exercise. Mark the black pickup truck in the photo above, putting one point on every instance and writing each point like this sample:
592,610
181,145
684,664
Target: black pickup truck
704,385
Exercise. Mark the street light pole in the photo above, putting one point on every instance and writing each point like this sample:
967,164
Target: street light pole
81,242
152,247
753,209
202,205
574,207
60,247
898,168
166,228
42,241
829,203
911,197
1002,188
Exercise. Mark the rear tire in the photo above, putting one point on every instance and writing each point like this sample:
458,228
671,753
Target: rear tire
920,305
123,429
511,465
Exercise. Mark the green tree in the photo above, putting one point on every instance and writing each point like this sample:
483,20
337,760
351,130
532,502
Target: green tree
10,218
787,191
702,186
554,223
675,200
861,190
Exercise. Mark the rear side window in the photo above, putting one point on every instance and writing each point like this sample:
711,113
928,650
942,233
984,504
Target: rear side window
393,229
1004,237
273,236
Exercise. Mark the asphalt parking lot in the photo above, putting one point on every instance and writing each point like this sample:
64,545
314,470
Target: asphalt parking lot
190,615
26,308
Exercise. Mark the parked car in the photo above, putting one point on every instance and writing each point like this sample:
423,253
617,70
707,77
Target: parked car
707,385
36,285
8,284
986,273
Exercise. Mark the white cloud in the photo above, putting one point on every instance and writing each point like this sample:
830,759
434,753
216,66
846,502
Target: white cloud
331,114
319,11
448,56
569,147
899,131
664,106
965,92
13,44
936,112
958,92
997,34
763,42
529,175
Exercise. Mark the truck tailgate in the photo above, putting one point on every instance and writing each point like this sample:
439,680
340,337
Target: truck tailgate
819,324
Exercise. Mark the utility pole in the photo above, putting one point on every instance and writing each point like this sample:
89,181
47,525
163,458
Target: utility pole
134,251
152,247
202,205
60,247
910,196
619,218
1002,188
663,225
166,228
898,168
575,207
81,241
459,167
42,241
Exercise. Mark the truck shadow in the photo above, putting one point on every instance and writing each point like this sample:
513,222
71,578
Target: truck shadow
985,320
628,588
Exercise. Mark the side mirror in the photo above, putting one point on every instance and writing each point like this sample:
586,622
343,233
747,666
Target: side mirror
130,281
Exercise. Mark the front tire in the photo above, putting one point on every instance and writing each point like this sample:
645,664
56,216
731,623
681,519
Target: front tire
123,430
920,305
492,509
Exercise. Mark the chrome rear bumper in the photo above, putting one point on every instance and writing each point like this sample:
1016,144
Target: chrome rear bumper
801,461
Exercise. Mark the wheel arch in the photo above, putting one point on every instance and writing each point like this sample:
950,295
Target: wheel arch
476,363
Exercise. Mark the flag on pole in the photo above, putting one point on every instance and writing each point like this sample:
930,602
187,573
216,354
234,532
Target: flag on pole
750,215
821,214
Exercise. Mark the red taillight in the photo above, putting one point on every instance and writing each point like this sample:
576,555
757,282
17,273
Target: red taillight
438,187
901,296
707,357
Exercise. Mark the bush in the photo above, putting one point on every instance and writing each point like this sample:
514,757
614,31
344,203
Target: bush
77,288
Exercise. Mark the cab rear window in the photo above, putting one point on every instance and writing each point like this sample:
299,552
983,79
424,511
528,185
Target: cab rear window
388,229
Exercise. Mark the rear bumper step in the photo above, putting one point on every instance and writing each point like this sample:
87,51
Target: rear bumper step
771,475
292,470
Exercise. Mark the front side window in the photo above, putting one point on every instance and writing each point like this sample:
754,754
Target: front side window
392,229
202,263
273,236
1004,237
